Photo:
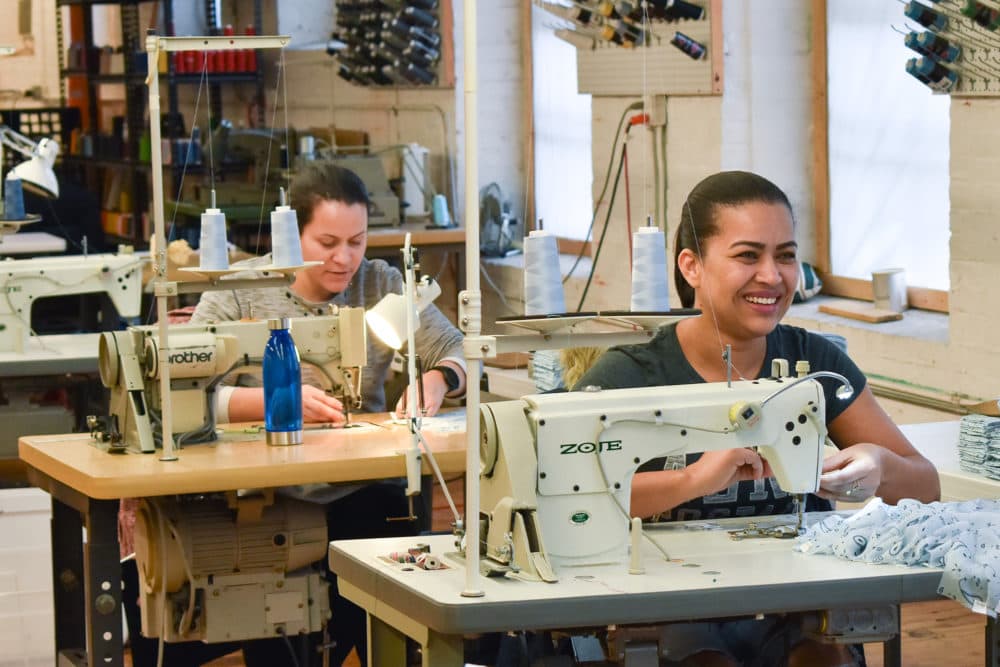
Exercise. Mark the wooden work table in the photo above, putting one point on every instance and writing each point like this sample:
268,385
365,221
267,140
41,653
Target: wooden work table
453,238
86,484
241,460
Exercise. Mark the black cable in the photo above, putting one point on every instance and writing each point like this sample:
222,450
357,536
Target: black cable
607,223
291,649
604,187
62,229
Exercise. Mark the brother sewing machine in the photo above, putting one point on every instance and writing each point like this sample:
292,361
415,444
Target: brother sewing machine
24,281
556,469
200,354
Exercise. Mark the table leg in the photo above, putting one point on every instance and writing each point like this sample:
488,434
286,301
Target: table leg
67,578
992,643
387,646
87,584
892,649
446,650
103,584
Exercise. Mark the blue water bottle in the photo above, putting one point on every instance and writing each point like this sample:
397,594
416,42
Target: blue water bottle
282,386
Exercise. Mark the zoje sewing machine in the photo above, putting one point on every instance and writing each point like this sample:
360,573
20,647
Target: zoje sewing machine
200,355
556,469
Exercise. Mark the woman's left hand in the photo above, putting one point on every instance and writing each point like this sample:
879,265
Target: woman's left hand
852,474
435,388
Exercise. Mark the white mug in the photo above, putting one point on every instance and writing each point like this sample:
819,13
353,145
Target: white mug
889,289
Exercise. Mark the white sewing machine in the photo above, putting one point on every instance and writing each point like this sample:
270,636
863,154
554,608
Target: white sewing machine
556,469
24,281
200,355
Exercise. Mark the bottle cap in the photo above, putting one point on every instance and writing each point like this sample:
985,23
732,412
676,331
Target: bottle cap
277,323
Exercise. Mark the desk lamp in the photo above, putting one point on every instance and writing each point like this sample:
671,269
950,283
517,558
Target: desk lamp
36,172
392,318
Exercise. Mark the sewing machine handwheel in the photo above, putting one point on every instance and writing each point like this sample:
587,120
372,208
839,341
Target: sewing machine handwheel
487,441
107,359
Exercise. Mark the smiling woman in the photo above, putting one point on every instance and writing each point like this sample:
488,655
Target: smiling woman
735,259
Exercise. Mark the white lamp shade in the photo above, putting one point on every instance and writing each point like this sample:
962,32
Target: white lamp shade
387,320
37,174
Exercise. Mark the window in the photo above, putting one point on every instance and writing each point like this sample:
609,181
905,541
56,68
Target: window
887,153
562,122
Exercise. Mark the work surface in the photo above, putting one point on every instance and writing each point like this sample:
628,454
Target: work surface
371,450
709,576
938,441
52,355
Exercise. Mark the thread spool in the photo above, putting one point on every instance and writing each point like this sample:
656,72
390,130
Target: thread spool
286,248
428,562
212,241
439,209
402,557
649,271
543,290
13,198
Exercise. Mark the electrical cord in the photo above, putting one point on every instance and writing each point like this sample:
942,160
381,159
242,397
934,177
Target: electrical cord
604,187
440,478
59,224
604,232
497,290
288,643
621,508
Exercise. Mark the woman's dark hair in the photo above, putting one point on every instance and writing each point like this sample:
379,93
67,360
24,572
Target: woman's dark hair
699,214
324,181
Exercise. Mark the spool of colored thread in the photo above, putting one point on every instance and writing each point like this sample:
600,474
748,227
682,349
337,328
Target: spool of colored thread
402,557
13,198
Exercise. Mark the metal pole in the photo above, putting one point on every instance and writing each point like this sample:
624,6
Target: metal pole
471,304
160,241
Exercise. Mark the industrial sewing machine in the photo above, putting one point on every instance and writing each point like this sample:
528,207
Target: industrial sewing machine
556,469
200,355
384,209
234,566
24,281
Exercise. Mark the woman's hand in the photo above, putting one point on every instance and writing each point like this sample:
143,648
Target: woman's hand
319,406
435,388
852,474
720,469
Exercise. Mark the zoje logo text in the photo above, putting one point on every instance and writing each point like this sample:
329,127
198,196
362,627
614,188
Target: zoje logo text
590,447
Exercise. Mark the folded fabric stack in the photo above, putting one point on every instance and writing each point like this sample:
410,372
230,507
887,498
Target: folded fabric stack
546,370
979,445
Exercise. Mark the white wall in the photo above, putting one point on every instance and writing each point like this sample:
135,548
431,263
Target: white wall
766,102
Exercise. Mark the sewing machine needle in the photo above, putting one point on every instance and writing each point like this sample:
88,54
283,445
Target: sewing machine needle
800,502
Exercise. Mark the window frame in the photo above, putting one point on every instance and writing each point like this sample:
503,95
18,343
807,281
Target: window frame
836,285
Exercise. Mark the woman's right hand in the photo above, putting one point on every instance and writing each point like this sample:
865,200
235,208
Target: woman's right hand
319,406
720,469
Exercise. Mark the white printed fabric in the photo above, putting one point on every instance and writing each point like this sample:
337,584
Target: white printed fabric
961,537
